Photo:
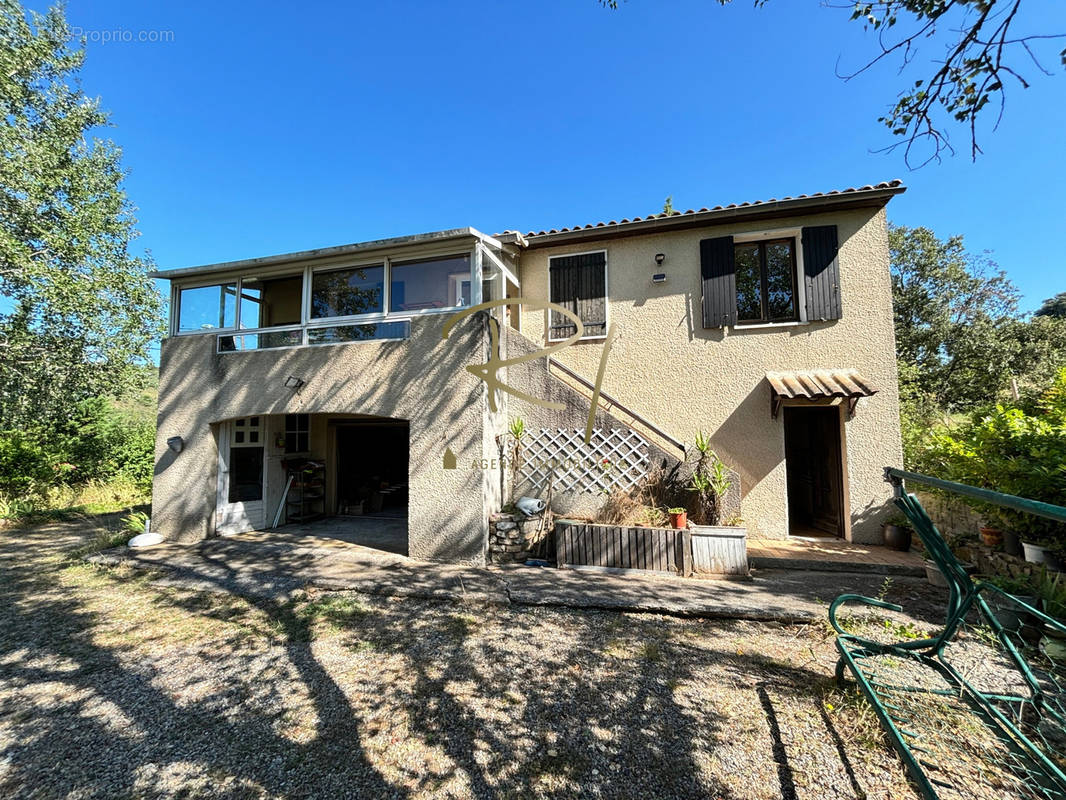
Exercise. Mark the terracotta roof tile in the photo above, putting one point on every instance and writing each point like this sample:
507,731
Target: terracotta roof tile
893,184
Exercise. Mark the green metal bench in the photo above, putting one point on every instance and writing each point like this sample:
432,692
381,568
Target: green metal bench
978,708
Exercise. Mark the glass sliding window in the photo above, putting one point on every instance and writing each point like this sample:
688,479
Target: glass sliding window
348,292
766,281
207,307
229,343
427,284
338,334
269,302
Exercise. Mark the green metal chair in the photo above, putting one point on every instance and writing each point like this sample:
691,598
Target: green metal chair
978,707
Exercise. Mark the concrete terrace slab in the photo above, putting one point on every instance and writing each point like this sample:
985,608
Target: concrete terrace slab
832,555
276,565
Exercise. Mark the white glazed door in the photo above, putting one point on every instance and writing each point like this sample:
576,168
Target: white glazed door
241,473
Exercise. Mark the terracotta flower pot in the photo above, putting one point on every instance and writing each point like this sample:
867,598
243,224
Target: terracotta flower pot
992,537
679,520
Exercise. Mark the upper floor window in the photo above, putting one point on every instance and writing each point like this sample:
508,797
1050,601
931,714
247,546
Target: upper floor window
778,276
330,304
430,283
348,292
766,281
269,302
207,307
578,283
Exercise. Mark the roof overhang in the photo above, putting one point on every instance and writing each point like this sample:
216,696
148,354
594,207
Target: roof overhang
865,197
818,385
357,249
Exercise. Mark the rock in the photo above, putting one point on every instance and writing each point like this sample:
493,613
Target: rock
506,525
501,517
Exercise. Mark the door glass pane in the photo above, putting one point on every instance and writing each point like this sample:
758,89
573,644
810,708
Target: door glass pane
749,283
346,292
436,283
245,474
266,303
207,307
780,295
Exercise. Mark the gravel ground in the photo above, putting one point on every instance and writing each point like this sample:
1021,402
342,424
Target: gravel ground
113,685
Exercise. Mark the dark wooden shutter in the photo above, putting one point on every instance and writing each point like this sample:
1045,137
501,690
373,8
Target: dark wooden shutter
719,282
821,272
579,283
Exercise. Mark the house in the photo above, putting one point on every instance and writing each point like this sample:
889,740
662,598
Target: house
767,325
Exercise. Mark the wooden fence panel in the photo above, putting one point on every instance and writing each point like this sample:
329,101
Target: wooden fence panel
616,547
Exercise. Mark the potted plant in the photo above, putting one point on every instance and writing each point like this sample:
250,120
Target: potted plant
718,545
678,517
1012,543
897,533
991,535
1034,551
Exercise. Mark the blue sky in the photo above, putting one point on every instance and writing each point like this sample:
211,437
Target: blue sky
273,127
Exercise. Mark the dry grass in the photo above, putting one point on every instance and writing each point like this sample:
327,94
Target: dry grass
143,690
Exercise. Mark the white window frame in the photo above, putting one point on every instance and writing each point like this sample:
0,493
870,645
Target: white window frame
247,428
606,296
796,235
307,272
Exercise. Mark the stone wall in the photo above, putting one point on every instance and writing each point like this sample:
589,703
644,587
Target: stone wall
513,536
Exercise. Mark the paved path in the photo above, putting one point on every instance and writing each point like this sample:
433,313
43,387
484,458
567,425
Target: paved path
280,564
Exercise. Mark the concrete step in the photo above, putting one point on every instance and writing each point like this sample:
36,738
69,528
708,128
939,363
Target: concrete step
826,565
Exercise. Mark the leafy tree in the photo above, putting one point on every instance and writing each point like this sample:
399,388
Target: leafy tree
1053,307
955,318
969,53
78,308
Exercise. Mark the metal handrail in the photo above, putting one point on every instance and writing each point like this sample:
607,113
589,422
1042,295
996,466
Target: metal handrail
897,476
615,404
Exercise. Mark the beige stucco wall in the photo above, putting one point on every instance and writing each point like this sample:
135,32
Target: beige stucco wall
666,366
421,379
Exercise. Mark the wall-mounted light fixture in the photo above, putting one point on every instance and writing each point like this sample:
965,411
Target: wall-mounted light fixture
659,277
292,382
176,443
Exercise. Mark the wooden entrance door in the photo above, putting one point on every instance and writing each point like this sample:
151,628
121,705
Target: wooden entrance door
814,469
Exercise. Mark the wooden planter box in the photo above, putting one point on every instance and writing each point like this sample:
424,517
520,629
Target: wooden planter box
719,549
705,549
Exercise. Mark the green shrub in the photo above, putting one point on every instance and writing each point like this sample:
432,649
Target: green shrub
102,442
1018,449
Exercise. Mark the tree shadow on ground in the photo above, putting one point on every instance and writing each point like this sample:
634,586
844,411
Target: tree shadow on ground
403,697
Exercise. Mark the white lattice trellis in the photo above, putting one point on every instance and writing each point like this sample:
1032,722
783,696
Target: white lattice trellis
613,459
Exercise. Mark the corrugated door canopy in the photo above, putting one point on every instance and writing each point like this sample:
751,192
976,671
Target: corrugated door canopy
818,384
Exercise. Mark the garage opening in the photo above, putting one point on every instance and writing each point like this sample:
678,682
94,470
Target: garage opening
371,483
814,471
